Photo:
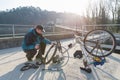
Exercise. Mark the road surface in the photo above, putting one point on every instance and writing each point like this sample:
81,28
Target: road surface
12,59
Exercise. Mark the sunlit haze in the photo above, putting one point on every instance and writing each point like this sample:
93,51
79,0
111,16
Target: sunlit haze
74,6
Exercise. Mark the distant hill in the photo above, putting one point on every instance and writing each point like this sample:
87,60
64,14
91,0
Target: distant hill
32,15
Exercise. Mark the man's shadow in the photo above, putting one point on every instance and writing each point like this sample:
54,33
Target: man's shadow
31,74
90,76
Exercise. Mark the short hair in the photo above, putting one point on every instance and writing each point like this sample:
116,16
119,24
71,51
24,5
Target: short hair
39,27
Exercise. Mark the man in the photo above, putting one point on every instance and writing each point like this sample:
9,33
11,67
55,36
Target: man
34,41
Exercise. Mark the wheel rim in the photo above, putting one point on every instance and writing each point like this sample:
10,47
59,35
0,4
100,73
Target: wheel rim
99,43
63,56
50,53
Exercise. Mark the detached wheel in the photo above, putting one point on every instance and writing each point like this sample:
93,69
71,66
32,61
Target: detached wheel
99,43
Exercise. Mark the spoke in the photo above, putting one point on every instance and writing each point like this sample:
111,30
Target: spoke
91,41
94,47
97,51
66,50
101,50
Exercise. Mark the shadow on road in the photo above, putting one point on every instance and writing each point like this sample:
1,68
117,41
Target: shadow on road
33,74
88,76
109,75
114,58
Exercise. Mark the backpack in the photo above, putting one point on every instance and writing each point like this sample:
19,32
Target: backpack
78,54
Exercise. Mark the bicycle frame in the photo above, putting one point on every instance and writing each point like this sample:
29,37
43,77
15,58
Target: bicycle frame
79,40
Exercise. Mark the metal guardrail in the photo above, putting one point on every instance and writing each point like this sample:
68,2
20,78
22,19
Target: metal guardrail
13,30
16,30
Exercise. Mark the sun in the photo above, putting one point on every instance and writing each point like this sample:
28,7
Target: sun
73,6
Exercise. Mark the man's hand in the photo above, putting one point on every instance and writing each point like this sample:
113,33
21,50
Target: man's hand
37,46
53,43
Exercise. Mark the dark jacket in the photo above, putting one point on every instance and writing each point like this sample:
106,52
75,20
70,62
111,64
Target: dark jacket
31,39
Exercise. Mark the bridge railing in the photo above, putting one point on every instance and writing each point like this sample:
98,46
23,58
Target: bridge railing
114,28
15,30
12,30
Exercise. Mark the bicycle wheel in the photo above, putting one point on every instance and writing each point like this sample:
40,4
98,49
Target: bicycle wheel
99,43
61,58
50,54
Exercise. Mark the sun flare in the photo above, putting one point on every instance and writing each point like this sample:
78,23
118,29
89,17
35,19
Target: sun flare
74,6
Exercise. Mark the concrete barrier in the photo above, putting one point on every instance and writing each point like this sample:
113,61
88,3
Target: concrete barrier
17,42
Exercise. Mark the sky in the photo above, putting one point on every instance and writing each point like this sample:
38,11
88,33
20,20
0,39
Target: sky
73,6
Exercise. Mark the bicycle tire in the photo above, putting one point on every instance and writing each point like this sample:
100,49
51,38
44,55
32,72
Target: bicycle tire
48,52
65,55
96,34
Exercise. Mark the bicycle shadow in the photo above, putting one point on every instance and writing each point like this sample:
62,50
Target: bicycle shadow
88,76
55,74
33,74
114,58
110,75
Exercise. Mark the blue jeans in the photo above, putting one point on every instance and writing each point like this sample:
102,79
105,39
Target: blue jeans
32,52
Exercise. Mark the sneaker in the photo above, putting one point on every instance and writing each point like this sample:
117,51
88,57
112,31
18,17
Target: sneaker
28,64
38,59
31,65
38,63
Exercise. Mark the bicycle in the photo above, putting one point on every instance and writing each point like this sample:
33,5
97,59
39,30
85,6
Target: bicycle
99,43
56,54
